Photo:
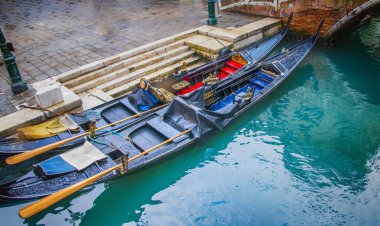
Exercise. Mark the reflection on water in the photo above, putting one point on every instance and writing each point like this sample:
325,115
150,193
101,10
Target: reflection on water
370,38
308,155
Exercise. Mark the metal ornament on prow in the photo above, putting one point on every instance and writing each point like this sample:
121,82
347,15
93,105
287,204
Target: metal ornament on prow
184,66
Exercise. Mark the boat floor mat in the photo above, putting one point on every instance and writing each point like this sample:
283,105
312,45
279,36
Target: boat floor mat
146,137
166,129
116,112
122,145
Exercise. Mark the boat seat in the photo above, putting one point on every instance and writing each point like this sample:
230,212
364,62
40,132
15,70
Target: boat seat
128,105
122,145
259,82
165,129
269,73
53,167
257,90
181,85
234,64
264,76
146,137
116,112
76,159
228,70
161,94
222,75
191,88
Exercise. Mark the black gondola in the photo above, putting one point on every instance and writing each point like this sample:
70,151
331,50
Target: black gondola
120,108
204,115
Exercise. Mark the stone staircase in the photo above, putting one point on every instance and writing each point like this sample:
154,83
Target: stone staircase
92,84
113,78
122,89
117,75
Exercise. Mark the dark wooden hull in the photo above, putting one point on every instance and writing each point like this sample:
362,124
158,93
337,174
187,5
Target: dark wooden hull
254,53
154,129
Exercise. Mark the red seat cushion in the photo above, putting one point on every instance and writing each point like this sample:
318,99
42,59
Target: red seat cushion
234,64
191,88
228,69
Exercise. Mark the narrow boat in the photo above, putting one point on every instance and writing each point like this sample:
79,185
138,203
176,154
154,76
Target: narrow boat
187,120
178,84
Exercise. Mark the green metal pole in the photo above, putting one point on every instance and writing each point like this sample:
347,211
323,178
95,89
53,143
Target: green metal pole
18,85
211,13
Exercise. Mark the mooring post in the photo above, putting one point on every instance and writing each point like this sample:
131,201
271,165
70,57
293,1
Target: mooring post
18,85
211,13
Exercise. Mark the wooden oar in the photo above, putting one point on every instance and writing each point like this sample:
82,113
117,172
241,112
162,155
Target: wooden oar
44,203
32,153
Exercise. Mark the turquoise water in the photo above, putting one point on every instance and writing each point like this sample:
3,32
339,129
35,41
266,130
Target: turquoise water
308,155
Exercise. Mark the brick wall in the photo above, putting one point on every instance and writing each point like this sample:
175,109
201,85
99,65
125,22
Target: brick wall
307,13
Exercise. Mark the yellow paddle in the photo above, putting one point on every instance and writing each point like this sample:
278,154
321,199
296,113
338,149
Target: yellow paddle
32,153
44,203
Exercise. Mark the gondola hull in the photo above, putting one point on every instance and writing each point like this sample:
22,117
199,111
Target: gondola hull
185,112
121,108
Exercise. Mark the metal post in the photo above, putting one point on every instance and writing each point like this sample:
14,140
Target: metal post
217,8
211,13
18,85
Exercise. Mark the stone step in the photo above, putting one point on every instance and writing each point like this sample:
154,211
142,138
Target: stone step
121,64
192,62
138,68
93,97
118,81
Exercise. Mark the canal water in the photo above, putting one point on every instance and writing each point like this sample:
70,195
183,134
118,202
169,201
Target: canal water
308,155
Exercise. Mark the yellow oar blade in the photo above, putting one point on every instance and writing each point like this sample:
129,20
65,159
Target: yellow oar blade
30,154
44,203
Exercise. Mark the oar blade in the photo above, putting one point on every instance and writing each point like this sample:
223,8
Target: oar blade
50,200
30,154
44,203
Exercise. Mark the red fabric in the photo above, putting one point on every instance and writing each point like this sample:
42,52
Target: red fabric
191,88
222,75
231,67
234,64
228,69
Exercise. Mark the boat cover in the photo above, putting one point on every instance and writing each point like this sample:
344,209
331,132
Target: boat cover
83,156
48,129
143,99
76,159
189,112
54,166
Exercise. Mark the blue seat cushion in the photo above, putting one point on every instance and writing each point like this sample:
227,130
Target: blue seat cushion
259,82
54,166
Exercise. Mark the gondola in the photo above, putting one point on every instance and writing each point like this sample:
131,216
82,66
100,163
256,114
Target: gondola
184,82
187,120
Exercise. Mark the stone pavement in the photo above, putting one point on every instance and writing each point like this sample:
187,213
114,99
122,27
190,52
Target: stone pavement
53,36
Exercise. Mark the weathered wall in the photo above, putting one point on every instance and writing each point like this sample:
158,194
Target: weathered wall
307,13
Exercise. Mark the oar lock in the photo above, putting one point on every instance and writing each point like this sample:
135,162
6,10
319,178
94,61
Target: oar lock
92,129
